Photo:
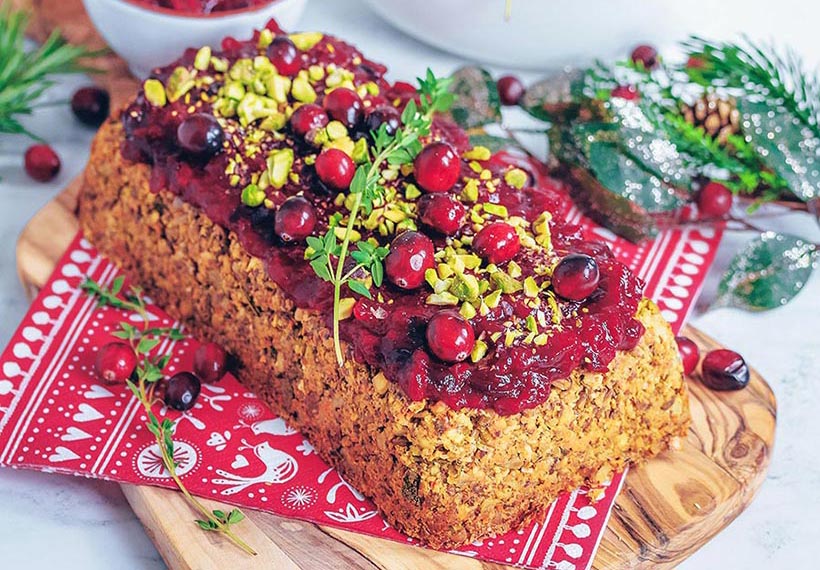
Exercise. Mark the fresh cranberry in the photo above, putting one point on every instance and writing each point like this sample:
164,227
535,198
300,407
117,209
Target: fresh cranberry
689,353
41,162
115,363
181,391
510,90
724,370
295,219
628,92
497,242
345,106
411,254
369,312
90,105
437,167
383,115
714,200
210,362
284,56
307,118
449,336
200,135
335,168
645,55
575,277
441,212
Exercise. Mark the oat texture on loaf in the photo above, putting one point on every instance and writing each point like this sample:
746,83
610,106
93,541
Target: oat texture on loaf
446,476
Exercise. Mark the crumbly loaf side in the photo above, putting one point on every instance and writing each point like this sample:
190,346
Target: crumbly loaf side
445,476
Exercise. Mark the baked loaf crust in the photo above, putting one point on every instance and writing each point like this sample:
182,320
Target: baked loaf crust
445,476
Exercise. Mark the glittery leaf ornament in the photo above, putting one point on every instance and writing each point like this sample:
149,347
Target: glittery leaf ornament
477,102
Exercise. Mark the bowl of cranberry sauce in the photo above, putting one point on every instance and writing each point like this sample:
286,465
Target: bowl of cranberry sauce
151,33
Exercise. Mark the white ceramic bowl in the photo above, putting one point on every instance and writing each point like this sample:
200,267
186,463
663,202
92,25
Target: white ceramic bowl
148,37
552,33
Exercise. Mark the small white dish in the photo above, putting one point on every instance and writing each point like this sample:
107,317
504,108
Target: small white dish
147,37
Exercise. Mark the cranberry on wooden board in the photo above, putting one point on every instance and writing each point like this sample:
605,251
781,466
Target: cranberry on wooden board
645,55
449,336
497,242
306,118
441,213
345,106
411,254
510,90
335,168
115,362
628,92
689,353
200,135
724,369
437,167
284,55
714,200
181,391
90,105
295,219
383,115
575,277
41,162
210,362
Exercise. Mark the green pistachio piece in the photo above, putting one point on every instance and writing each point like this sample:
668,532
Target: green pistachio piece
265,38
464,287
496,210
278,88
360,151
442,299
479,350
516,178
253,196
179,83
346,305
306,40
336,130
202,60
279,163
478,153
467,310
505,283
531,288
155,92
302,90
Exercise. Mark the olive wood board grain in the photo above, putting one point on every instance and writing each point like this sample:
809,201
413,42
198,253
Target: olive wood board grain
668,507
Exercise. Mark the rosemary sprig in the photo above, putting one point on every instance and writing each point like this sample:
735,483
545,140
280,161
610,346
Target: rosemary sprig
26,75
143,383
327,256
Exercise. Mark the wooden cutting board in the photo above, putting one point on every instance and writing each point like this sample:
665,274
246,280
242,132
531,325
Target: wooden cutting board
667,508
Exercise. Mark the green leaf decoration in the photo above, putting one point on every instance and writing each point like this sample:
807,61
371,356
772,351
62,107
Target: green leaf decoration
476,101
785,144
360,288
558,97
767,273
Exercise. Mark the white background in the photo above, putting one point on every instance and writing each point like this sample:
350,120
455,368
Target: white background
51,521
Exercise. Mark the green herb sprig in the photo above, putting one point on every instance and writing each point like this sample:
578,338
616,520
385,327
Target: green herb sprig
327,256
148,373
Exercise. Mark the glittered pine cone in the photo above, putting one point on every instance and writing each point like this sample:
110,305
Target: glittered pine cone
718,117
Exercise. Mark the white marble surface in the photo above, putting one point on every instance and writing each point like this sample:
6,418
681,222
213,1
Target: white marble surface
52,521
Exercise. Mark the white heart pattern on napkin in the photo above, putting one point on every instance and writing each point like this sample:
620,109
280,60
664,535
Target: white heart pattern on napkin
74,434
62,454
239,462
96,391
86,414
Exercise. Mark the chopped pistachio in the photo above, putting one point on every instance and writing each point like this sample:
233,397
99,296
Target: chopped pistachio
479,350
496,210
556,310
493,299
509,337
278,88
505,283
253,196
219,64
444,270
203,58
265,38
477,153
360,151
345,144
279,163
341,231
302,90
485,174
395,215
531,288
336,130
495,336
274,122
316,72
541,339
467,310
470,261
263,64
464,286
346,305
411,192
155,92
513,270
306,40
532,326
470,191
233,90
442,299
431,277
179,83
516,178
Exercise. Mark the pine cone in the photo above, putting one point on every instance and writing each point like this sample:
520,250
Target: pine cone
718,117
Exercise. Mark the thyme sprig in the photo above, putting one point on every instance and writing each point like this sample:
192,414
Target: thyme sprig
143,383
327,256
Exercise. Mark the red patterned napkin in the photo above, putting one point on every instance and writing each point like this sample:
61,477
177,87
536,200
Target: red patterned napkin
54,415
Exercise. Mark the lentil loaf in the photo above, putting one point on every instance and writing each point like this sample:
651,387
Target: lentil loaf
446,476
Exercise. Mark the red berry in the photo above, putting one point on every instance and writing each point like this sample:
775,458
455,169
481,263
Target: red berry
335,168
182,391
510,90
497,242
230,43
645,55
210,362
307,118
714,200
200,135
441,212
115,363
695,62
90,105
575,277
383,115
411,254
449,336
437,167
689,353
284,56
724,370
295,219
627,92
345,106
41,162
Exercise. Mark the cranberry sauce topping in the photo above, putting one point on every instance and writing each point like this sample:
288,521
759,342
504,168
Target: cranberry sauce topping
203,6
468,312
